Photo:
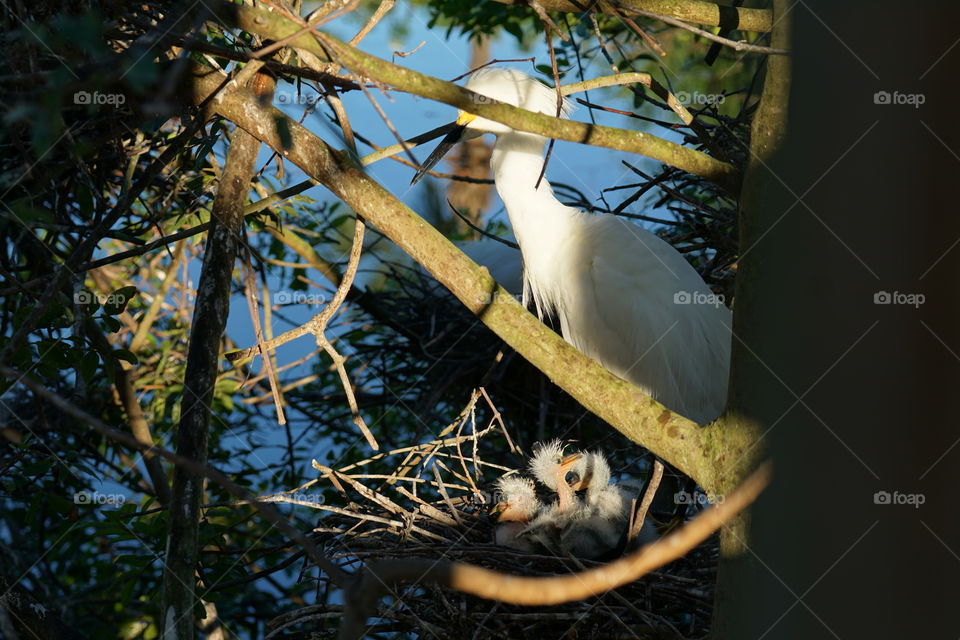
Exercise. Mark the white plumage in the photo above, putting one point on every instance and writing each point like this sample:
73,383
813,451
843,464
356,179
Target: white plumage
517,506
622,296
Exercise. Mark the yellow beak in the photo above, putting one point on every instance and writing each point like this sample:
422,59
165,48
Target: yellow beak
464,118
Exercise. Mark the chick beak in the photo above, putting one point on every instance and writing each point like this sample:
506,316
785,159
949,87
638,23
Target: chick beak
566,463
570,460
452,138
500,510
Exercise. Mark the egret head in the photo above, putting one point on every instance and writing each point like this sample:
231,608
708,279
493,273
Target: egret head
592,471
518,499
548,461
512,87
491,85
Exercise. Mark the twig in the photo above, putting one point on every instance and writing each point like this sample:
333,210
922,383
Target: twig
556,86
404,54
640,514
251,295
486,234
548,23
445,495
382,10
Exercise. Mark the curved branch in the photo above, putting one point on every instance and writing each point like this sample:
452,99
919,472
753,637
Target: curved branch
736,45
380,576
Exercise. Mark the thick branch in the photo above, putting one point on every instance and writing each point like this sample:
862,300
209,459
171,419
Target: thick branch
695,11
700,453
277,27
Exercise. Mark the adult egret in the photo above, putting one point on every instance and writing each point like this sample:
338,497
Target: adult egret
623,296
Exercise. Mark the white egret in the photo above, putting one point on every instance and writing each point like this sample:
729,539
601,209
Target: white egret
622,296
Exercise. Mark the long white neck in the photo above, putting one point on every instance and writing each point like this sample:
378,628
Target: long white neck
540,222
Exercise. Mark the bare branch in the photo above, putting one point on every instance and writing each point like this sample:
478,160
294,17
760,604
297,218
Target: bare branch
640,514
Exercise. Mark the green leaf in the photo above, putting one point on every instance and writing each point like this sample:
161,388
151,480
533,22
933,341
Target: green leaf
113,325
117,301
125,354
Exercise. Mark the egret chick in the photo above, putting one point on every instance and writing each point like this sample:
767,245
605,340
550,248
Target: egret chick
598,525
518,505
551,467
622,295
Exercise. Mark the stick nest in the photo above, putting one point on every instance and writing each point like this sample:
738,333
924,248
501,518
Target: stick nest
435,504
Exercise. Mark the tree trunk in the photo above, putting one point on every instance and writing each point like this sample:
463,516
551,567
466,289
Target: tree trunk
209,321
851,370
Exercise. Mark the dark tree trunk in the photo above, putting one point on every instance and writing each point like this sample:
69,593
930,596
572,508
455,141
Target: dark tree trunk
852,382
209,321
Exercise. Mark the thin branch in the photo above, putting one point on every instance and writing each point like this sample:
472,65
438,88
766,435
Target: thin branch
640,514
382,10
696,11
319,327
250,288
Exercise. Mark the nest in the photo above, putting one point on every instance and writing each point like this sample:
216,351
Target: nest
435,504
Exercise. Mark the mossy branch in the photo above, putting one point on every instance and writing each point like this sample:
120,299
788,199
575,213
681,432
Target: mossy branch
277,27
710,14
